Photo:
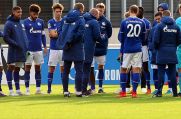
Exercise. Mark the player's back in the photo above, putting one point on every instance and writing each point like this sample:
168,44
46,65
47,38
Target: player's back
134,31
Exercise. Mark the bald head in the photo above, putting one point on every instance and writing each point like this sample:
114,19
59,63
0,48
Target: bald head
94,12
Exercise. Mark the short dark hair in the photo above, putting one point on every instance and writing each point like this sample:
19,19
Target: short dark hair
100,5
158,14
16,8
79,6
133,9
166,13
140,13
58,6
34,8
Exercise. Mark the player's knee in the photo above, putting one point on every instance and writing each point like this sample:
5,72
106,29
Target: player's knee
27,67
11,67
37,67
123,70
1,68
51,69
61,69
136,70
17,69
101,66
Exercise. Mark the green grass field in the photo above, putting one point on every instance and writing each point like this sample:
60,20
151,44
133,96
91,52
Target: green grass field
104,106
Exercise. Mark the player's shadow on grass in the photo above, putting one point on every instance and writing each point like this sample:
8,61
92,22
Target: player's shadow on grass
97,98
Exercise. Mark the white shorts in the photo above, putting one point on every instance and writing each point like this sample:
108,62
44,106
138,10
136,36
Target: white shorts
55,57
18,64
100,60
154,66
145,54
132,59
37,57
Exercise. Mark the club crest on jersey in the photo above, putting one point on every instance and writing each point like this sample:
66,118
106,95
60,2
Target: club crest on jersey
103,23
23,27
39,24
165,29
86,25
49,26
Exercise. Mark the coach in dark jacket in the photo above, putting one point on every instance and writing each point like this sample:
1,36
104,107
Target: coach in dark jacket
73,50
15,37
91,36
166,40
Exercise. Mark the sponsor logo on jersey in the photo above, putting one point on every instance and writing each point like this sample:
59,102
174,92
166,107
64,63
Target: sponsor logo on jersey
165,29
35,31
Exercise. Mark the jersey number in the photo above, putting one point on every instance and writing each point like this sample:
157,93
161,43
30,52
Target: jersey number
134,30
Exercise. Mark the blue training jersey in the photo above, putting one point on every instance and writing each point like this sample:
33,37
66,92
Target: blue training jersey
131,34
53,25
35,33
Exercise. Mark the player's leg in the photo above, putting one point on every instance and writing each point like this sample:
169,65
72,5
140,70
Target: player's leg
9,77
61,62
86,78
136,69
172,77
147,77
52,63
124,73
143,82
65,78
155,77
101,62
169,91
38,59
50,78
28,64
18,65
92,78
161,78
128,86
78,77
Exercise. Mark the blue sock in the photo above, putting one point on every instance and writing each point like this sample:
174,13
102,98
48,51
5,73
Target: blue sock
38,78
27,79
100,77
0,80
9,76
155,78
147,76
169,84
16,80
179,75
123,79
50,79
93,87
135,80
